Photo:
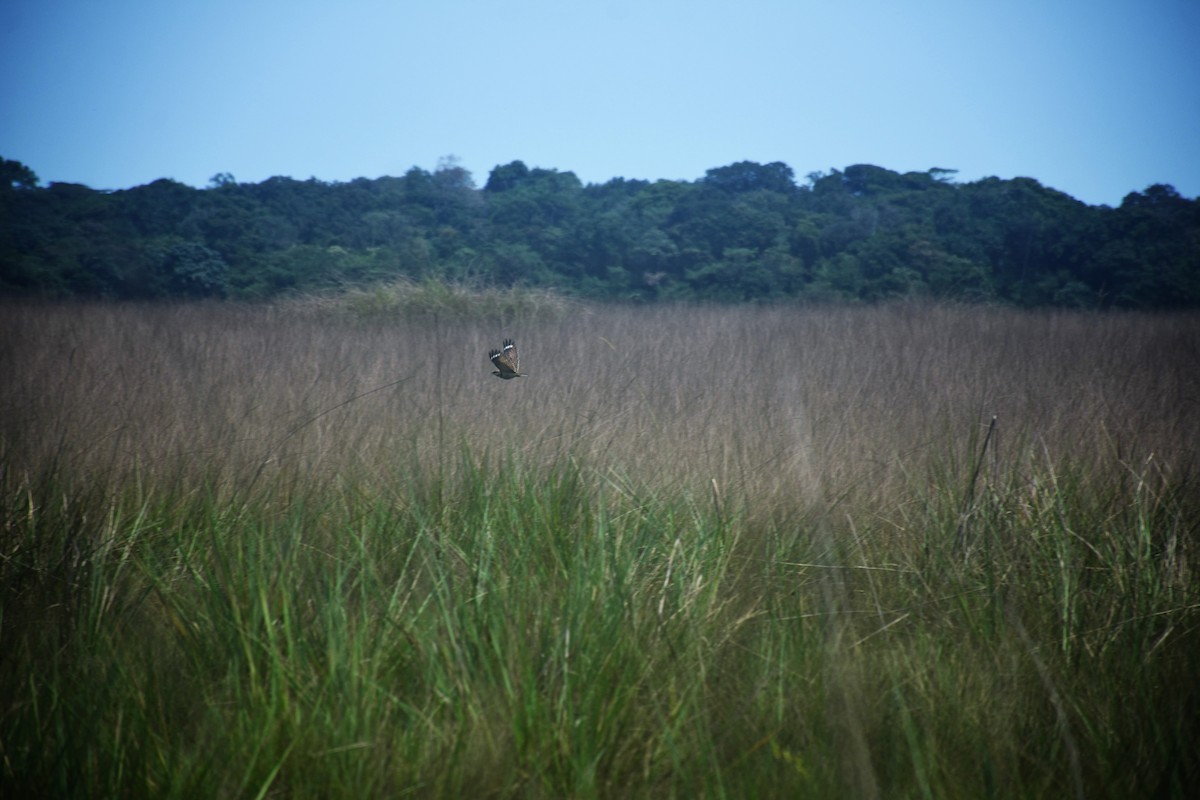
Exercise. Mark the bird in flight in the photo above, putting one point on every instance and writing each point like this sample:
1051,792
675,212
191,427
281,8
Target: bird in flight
506,361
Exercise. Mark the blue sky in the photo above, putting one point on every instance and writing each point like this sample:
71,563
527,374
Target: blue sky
1095,98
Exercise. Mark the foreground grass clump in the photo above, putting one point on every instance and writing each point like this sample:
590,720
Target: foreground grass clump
696,553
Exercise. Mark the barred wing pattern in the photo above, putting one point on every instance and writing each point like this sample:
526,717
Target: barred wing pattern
506,361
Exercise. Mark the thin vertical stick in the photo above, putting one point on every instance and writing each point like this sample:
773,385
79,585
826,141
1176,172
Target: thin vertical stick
969,495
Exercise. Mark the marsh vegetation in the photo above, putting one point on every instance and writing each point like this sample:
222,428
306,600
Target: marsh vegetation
308,551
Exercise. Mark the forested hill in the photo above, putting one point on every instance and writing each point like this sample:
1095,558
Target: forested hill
746,231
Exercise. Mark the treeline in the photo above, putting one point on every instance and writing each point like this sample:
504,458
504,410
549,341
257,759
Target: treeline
746,231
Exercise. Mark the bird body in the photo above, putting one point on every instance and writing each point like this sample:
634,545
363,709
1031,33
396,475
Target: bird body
506,361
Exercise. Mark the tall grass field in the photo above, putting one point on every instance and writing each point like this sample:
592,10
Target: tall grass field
317,550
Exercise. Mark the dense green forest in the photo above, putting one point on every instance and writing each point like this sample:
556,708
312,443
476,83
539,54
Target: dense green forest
746,231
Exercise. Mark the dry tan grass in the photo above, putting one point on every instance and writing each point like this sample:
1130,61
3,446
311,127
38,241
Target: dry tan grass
779,406
242,513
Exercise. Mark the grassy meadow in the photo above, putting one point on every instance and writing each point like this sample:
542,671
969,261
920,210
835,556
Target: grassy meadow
317,550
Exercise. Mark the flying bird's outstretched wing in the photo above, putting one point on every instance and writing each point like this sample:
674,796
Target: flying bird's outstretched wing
506,361
510,354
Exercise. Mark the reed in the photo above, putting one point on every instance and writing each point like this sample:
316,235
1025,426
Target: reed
699,551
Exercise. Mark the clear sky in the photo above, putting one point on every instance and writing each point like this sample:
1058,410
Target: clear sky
1096,98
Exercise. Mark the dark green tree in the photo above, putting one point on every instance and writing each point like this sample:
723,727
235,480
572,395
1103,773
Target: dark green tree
750,176
15,175
744,231
508,176
192,270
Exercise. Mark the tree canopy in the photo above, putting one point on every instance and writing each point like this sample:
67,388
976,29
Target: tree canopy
745,231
